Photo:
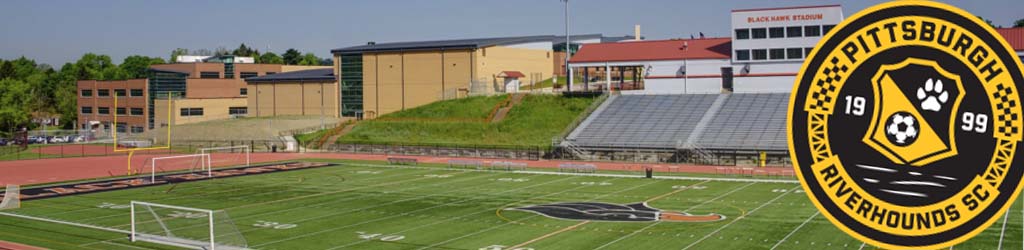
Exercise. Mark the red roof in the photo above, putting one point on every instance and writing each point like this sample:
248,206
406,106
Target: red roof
1014,36
708,48
512,74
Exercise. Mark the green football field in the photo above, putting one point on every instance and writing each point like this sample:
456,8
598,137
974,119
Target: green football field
374,206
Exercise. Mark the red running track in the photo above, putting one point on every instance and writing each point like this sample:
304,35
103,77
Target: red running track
28,172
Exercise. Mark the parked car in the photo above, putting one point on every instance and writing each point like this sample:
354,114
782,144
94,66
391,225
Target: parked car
58,139
4,142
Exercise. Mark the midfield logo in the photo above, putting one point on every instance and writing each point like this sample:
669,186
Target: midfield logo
904,124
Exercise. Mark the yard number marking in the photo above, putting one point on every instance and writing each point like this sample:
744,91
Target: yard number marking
381,237
274,225
503,247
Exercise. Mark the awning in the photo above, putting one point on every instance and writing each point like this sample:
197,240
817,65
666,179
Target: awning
511,74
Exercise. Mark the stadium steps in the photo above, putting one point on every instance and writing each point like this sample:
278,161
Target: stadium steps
698,130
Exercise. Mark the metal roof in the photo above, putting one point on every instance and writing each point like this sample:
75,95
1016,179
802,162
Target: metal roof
294,76
655,50
1013,36
441,44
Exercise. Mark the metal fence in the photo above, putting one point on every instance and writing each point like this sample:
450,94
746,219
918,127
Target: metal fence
443,150
69,150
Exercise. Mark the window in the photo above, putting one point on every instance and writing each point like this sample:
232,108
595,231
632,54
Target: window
795,31
742,55
243,91
776,32
86,93
122,127
760,54
760,33
238,110
826,28
120,92
103,110
136,111
106,125
810,31
86,110
137,93
122,111
777,54
794,53
137,129
103,92
269,73
807,51
191,111
742,34
209,74
248,74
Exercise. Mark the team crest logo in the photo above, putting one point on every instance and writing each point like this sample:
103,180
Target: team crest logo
904,124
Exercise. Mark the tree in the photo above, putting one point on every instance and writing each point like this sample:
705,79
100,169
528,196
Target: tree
136,66
292,57
92,66
270,58
242,50
6,69
989,22
14,103
177,52
309,59
1019,23
220,51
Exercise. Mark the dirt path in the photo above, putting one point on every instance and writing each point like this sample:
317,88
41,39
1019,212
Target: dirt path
502,112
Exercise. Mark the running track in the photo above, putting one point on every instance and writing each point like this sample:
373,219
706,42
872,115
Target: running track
28,172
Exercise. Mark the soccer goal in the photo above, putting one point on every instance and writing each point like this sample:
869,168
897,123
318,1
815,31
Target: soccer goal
11,198
184,227
191,162
227,156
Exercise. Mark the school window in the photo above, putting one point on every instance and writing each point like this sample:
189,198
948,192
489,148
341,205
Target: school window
238,110
742,55
810,31
243,91
795,31
191,111
122,127
759,33
826,28
136,93
86,93
86,110
120,92
269,73
760,54
777,54
136,111
209,74
103,93
742,34
248,74
103,110
122,111
794,53
137,129
776,32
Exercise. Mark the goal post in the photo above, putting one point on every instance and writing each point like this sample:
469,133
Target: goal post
183,227
190,162
240,155
11,198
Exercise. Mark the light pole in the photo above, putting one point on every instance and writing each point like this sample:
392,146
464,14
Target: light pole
568,49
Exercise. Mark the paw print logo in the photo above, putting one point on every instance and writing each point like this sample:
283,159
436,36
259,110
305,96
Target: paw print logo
932,96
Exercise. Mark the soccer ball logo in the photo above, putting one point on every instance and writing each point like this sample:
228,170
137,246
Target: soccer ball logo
901,129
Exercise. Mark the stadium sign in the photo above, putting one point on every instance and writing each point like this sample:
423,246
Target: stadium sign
904,125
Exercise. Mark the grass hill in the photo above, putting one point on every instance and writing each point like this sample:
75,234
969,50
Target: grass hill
533,122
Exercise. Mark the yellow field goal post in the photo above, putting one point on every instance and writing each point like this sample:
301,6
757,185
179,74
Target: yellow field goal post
136,141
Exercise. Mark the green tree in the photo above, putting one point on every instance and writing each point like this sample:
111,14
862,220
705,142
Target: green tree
292,57
136,66
1019,23
6,69
15,100
92,66
270,58
243,50
177,52
309,59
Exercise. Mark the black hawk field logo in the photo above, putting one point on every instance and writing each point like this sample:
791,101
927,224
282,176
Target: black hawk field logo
904,124
599,211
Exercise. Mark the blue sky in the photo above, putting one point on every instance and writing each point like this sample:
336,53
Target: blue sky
56,32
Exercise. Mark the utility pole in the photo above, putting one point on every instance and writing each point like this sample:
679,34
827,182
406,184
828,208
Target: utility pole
568,49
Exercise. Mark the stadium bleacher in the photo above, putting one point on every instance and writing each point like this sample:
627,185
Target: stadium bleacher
748,122
648,121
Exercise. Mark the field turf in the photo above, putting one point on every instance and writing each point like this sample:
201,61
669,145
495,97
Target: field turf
374,206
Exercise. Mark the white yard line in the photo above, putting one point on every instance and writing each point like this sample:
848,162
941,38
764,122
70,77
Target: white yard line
396,215
1003,231
528,217
794,230
659,222
862,244
740,218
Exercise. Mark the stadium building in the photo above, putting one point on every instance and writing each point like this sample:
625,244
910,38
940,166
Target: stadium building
763,55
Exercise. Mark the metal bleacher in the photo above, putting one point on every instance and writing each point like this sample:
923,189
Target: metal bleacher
748,122
643,121
706,121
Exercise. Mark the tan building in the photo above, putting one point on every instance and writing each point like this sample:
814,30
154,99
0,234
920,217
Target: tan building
307,92
96,107
189,110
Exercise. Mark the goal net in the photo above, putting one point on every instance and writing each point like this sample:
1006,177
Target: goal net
11,197
194,163
227,156
184,227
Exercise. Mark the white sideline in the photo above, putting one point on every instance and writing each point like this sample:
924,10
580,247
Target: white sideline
1003,231
739,218
66,223
685,178
777,244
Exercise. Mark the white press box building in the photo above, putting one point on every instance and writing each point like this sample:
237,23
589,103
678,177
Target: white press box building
763,55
